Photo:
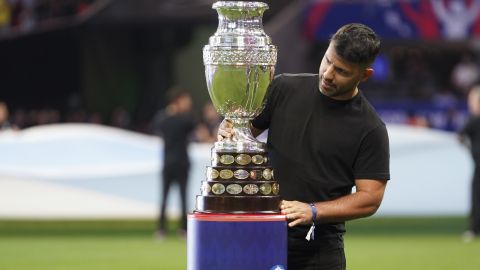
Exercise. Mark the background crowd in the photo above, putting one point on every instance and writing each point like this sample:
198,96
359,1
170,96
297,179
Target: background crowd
123,63
26,15
412,86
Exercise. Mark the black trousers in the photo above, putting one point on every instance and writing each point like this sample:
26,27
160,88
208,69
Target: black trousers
475,202
316,259
171,175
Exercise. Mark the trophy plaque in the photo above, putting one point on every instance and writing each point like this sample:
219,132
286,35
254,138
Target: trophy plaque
239,65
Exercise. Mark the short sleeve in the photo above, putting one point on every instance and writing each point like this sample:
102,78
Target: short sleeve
373,158
262,121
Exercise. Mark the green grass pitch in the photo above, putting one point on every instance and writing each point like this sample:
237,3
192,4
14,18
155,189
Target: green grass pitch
375,243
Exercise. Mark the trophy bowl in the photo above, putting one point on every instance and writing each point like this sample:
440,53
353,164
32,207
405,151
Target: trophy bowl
239,66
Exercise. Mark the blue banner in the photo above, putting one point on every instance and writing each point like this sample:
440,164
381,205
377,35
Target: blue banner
420,19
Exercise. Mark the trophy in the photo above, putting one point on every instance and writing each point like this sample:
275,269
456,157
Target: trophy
239,196
239,66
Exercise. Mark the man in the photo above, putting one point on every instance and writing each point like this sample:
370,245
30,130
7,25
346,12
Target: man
469,135
175,124
324,139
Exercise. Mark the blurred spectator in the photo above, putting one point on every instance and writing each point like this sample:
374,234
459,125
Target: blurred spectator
26,15
77,116
174,124
453,120
17,9
46,116
4,120
421,81
20,118
22,18
414,119
95,118
444,98
121,118
207,128
4,16
469,135
82,6
464,74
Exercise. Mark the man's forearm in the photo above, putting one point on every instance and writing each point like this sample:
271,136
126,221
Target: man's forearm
356,205
364,202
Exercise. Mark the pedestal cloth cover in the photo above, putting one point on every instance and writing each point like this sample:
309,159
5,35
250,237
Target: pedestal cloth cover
243,241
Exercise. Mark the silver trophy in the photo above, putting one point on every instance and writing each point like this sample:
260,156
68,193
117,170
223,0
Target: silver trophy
239,65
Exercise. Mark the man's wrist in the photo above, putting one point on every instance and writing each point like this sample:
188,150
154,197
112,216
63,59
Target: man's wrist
314,213
311,232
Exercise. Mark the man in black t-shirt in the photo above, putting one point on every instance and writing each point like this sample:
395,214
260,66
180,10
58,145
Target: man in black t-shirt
175,125
324,139
469,135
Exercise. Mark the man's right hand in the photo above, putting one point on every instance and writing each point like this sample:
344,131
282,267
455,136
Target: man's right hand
225,130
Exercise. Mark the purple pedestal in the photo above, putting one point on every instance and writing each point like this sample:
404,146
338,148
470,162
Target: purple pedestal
243,241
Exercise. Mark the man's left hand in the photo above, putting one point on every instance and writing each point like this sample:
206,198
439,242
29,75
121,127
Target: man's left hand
298,213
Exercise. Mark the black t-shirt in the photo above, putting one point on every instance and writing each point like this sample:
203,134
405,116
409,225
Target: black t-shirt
472,131
318,146
175,130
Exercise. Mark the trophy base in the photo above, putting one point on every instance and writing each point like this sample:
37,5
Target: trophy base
240,147
238,204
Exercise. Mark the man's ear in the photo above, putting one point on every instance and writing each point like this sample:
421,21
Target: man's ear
367,73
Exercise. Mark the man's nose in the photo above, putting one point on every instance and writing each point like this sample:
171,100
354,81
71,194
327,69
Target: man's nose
328,74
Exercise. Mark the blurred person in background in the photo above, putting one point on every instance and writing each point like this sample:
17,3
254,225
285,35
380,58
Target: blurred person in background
469,135
121,118
415,119
4,16
175,124
4,117
324,139
465,73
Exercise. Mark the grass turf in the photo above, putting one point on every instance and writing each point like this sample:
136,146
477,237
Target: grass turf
410,243
374,243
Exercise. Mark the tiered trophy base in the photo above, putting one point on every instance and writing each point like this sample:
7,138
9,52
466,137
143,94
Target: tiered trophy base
238,204
239,183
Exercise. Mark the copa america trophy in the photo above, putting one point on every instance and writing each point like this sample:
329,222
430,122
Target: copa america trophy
239,66
237,213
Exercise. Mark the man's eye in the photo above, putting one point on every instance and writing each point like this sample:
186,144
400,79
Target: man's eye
341,71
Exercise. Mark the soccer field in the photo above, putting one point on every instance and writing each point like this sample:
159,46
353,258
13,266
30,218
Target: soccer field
410,243
374,243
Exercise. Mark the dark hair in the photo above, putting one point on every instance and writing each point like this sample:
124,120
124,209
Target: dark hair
356,43
175,93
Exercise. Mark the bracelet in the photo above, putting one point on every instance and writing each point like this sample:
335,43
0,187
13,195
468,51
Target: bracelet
314,212
311,232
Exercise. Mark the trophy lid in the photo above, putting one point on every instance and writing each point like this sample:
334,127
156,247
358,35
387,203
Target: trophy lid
240,24
243,5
